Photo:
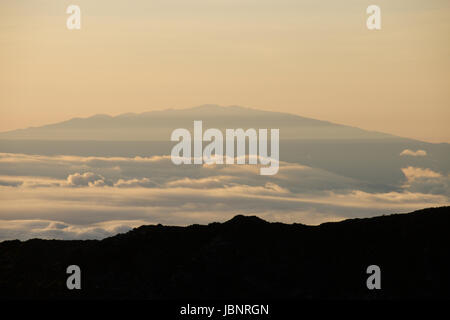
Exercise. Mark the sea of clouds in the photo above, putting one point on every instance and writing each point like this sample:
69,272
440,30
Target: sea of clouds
74,197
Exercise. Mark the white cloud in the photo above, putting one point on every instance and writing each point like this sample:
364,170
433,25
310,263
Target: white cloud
426,181
85,179
418,153
134,183
414,173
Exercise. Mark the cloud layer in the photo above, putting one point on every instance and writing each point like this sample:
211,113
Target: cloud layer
69,197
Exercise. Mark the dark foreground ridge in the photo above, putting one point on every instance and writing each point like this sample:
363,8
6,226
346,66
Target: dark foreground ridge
245,257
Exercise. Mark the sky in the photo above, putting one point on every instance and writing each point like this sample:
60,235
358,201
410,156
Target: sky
312,58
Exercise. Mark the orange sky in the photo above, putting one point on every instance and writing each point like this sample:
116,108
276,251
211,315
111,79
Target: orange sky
311,58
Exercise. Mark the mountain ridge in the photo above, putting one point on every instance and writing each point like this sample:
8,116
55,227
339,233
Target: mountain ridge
244,258
148,125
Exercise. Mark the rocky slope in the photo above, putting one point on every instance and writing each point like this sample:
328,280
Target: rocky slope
245,257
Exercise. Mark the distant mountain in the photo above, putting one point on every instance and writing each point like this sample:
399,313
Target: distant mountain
158,125
371,157
245,257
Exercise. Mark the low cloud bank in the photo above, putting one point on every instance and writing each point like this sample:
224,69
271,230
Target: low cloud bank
67,197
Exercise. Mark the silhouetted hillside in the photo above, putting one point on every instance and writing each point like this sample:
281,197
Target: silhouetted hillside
245,257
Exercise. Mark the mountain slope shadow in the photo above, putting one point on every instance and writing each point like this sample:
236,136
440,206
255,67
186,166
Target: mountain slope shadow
245,257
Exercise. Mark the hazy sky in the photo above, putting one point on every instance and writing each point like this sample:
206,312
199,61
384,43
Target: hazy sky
312,58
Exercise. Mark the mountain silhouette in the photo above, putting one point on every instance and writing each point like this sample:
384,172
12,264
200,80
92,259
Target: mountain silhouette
158,125
245,257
